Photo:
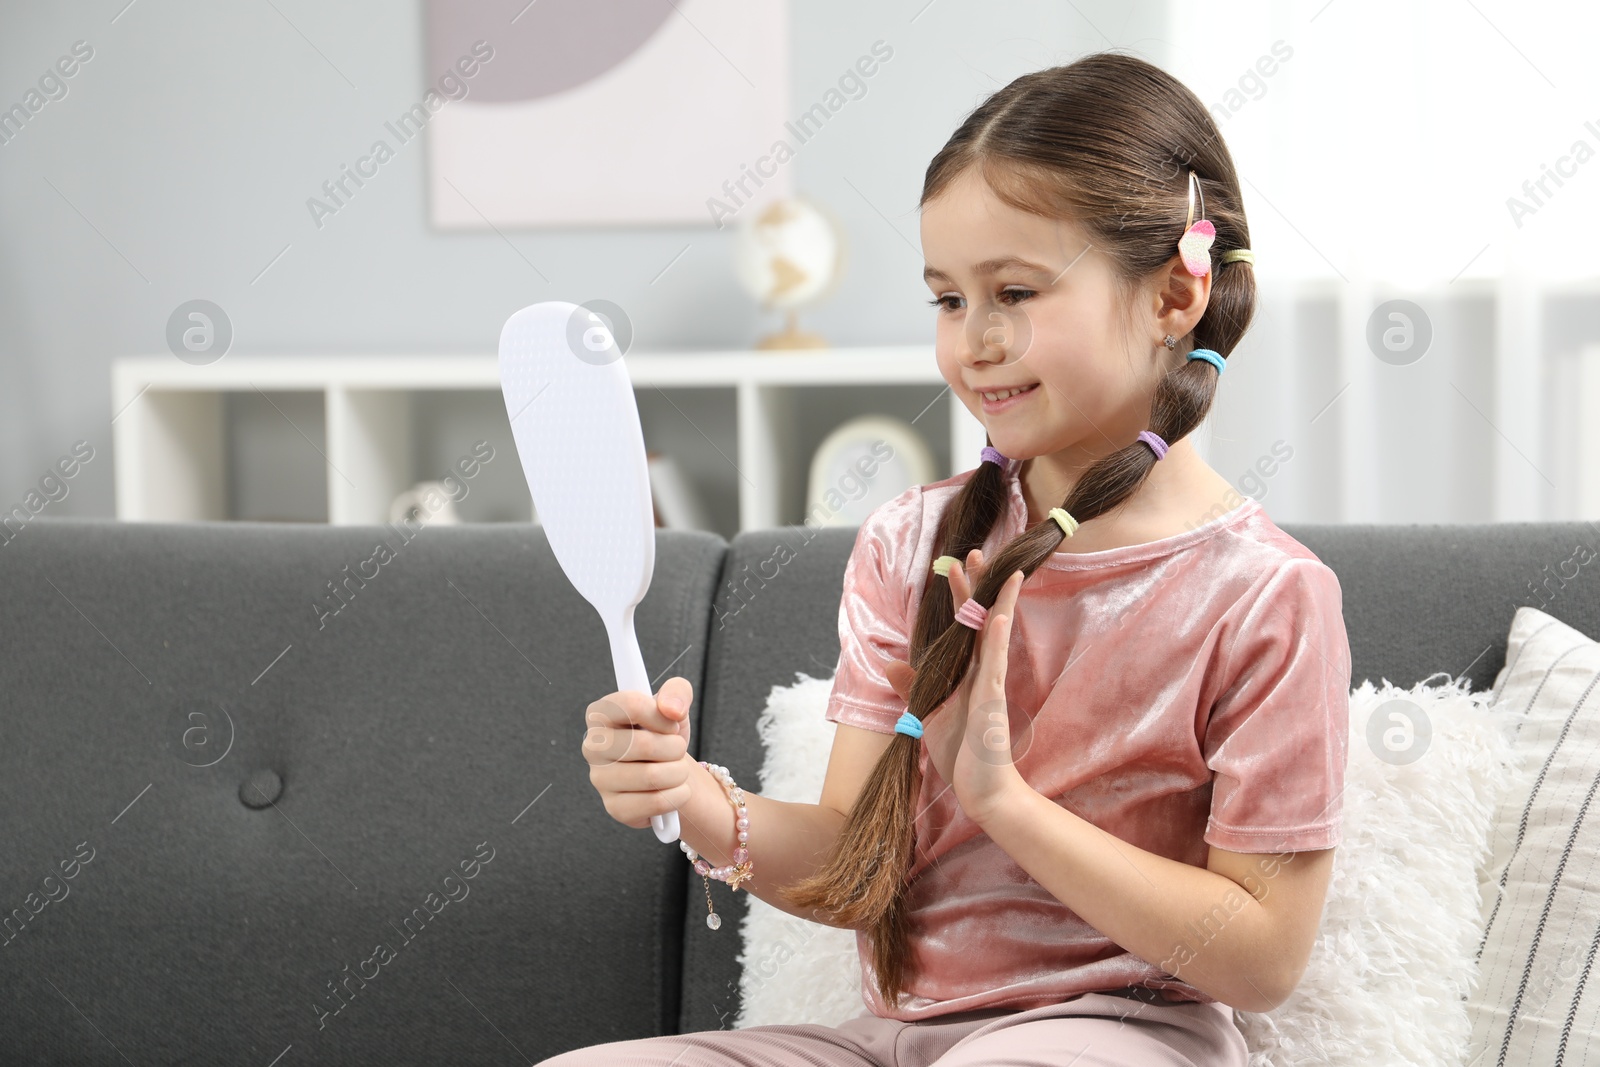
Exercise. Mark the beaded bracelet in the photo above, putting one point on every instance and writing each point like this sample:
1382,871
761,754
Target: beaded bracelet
743,868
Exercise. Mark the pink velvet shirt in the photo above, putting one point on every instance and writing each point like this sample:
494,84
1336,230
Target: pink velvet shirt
1183,693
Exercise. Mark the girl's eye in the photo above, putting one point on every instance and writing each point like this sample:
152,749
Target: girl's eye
1016,293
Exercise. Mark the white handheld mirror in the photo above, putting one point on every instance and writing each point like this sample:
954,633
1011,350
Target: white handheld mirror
576,426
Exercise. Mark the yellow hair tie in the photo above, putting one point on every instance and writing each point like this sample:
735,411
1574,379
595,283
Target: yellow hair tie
1068,524
1240,253
941,566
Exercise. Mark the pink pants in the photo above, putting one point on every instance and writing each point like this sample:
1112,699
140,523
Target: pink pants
1090,1030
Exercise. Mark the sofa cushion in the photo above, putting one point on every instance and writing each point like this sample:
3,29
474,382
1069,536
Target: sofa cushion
1537,992
163,682
1421,598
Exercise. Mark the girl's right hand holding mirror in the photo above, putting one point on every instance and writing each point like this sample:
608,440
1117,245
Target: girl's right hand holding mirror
637,748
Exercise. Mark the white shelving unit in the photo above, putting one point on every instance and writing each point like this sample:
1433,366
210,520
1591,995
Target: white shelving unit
171,440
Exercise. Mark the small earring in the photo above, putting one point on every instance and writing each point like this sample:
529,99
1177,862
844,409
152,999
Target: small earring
1170,341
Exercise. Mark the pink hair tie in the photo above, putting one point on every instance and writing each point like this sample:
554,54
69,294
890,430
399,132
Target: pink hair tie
1157,445
971,613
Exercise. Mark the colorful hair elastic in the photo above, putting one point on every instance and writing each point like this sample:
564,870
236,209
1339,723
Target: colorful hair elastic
992,455
1068,524
941,566
1209,356
1157,445
971,613
909,724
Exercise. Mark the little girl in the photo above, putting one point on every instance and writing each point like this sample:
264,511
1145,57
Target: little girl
1081,804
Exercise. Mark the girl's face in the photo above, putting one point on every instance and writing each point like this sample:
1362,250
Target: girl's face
1025,301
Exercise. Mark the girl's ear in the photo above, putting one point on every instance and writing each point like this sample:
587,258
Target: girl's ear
1180,298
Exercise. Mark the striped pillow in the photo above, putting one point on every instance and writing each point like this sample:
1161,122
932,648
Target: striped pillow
1537,998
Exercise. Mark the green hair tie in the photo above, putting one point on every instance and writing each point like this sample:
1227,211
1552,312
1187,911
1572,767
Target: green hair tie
941,566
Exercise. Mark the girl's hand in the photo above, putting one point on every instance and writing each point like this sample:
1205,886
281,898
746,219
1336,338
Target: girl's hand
984,773
637,748
969,736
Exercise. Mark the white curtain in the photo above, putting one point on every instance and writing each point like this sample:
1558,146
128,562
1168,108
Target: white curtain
1446,154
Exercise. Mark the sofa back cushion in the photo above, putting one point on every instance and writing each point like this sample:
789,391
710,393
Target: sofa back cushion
237,819
775,616
1425,598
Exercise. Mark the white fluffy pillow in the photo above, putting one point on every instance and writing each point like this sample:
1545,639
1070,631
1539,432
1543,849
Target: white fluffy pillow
1399,930
795,970
1389,975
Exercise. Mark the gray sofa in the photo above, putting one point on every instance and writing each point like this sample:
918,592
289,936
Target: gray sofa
223,801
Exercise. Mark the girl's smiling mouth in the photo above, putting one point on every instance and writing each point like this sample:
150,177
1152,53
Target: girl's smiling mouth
994,407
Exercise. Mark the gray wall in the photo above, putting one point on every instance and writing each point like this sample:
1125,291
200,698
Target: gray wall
178,164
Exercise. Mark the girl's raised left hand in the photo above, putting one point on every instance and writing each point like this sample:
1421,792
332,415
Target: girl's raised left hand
969,738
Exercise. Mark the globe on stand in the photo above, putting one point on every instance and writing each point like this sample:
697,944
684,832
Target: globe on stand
789,255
